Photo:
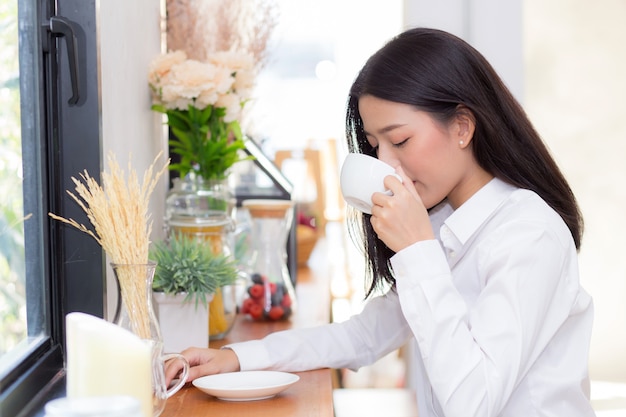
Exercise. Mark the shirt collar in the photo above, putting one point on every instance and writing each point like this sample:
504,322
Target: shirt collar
466,220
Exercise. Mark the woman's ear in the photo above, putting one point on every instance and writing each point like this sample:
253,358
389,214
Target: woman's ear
465,124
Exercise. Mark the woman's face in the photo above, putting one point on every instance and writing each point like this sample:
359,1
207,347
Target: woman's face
429,152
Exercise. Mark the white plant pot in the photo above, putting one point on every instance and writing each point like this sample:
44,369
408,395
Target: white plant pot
182,324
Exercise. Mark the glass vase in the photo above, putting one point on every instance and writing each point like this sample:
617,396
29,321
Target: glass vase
135,313
195,201
204,210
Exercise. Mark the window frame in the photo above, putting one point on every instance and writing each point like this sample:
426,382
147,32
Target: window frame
65,268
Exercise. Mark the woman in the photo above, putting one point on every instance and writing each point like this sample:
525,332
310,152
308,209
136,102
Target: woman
478,241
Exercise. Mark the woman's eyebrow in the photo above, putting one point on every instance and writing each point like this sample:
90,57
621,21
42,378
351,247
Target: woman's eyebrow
386,129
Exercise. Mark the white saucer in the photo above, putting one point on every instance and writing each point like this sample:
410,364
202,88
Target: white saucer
245,386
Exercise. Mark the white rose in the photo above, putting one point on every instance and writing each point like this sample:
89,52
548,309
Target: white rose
232,103
244,81
161,65
223,80
194,75
206,98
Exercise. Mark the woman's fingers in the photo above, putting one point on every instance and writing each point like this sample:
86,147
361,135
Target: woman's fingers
400,218
202,362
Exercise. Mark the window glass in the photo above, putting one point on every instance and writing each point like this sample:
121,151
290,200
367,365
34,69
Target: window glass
13,327
46,270
24,314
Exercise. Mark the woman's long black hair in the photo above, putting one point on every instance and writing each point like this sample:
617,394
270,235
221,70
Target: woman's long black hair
439,73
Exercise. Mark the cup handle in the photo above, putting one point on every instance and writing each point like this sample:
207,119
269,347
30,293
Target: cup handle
183,377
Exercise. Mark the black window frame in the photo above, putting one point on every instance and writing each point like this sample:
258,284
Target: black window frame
59,141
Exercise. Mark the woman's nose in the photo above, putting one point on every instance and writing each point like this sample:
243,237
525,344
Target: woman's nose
385,155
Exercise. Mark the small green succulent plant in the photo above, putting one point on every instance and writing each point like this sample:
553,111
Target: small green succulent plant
187,265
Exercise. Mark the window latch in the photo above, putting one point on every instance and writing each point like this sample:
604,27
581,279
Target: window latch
61,27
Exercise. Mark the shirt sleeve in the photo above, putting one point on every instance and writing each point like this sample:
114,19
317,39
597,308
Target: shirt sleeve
379,329
475,355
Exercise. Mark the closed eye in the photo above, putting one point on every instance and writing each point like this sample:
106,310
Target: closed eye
401,144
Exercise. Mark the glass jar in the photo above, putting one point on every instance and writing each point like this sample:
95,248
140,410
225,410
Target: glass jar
270,294
204,210
217,233
193,200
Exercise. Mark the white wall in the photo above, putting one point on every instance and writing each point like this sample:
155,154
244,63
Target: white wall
576,84
129,38
494,27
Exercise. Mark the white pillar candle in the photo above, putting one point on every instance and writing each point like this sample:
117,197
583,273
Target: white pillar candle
104,359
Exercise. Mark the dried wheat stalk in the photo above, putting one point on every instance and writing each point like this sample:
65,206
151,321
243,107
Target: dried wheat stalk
118,212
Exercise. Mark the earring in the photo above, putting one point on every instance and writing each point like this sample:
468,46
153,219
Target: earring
461,142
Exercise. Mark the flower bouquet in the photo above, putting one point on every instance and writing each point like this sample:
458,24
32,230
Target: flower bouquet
203,102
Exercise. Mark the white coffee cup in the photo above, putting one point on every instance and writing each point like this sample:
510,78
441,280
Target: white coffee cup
361,176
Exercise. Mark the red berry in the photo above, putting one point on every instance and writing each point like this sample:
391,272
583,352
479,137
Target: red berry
256,311
256,291
276,313
272,288
286,302
245,306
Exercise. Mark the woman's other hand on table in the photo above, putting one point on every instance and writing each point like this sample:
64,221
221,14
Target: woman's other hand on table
202,362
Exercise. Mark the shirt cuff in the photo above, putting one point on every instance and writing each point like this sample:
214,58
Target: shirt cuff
422,260
252,355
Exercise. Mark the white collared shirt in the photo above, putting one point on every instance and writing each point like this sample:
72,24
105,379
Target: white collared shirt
501,324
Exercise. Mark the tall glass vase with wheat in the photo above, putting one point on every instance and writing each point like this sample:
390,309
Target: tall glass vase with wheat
118,212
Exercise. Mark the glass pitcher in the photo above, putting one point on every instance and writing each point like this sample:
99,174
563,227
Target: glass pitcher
135,313
270,294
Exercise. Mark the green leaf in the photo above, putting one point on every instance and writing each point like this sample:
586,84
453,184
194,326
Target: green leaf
205,143
179,119
159,108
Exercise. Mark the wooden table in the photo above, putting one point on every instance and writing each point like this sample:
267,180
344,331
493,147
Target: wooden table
311,396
